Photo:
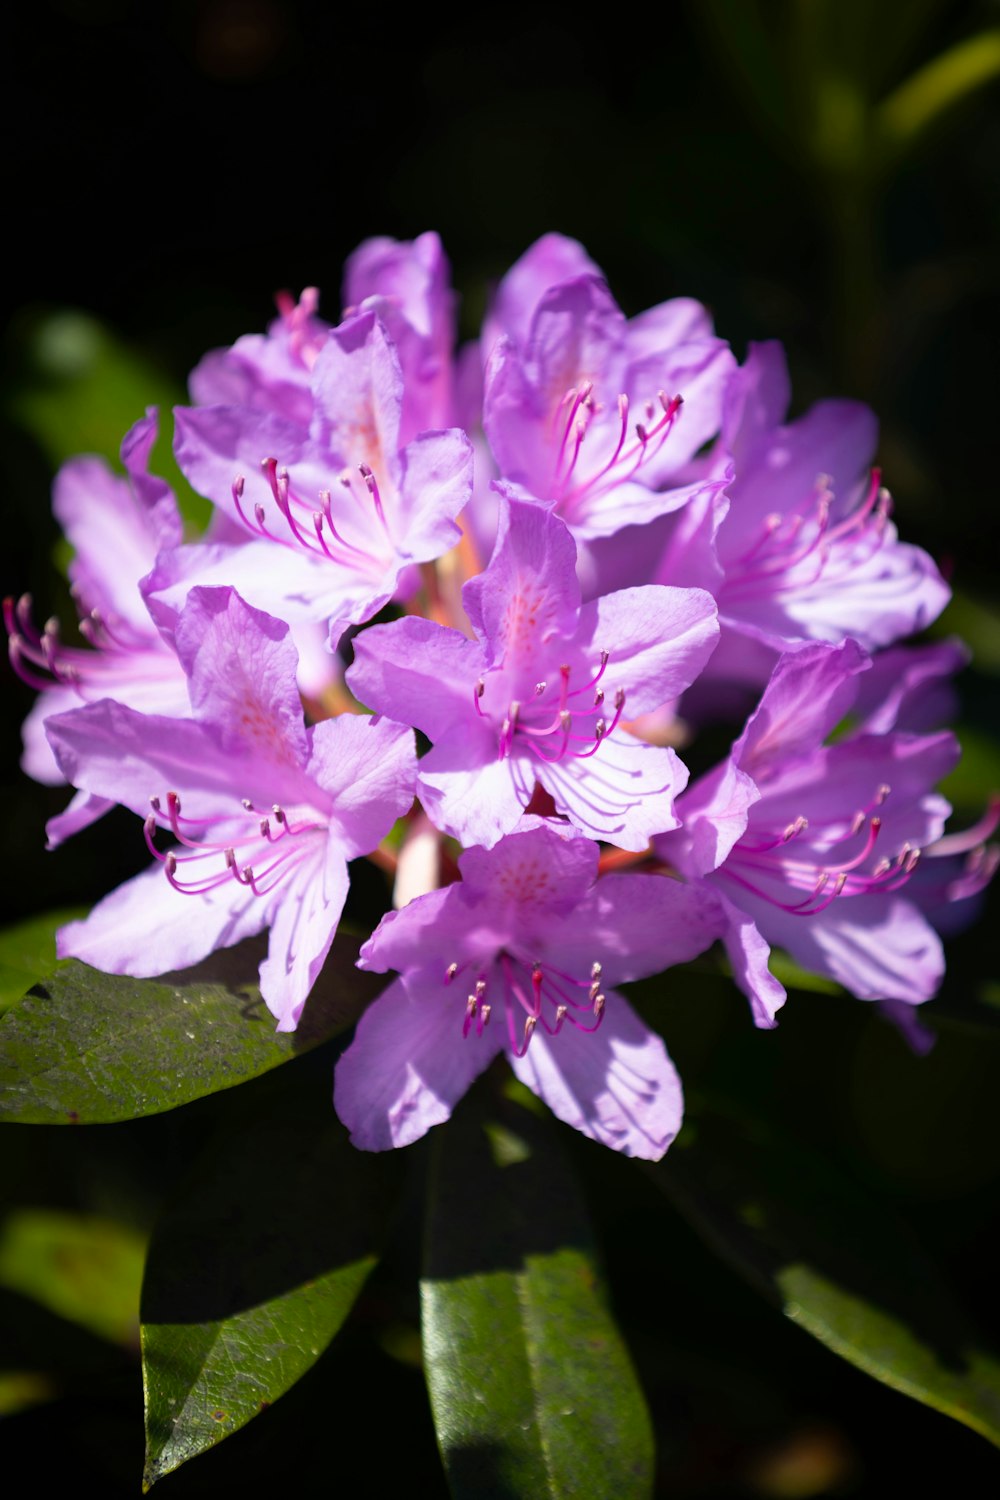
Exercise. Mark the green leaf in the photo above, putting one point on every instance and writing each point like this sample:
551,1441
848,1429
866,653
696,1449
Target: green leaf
28,953
836,1262
926,99
83,1268
531,1385
254,1268
89,1048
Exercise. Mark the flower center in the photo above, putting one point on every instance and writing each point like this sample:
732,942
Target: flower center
321,529
197,873
579,474
794,550
121,653
532,995
548,724
832,861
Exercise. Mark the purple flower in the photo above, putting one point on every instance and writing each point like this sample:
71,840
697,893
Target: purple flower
408,285
811,846
269,372
538,696
116,527
522,957
333,510
598,417
807,547
265,812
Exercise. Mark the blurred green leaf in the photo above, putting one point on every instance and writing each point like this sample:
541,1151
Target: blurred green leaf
976,778
531,1386
253,1269
925,99
837,1263
88,1048
84,388
977,622
85,1269
21,1389
28,953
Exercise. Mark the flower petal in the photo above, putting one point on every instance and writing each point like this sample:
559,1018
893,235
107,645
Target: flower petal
617,1086
408,1065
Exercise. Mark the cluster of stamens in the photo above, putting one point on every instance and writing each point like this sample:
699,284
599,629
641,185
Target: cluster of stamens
295,316
270,828
547,722
574,417
34,652
312,528
544,996
806,535
823,882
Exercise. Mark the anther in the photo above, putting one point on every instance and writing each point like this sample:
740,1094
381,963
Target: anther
154,803
259,513
480,988
450,973
599,1004
171,864
882,793
265,828
595,971
480,687
485,1012
619,699
540,688
238,485
246,804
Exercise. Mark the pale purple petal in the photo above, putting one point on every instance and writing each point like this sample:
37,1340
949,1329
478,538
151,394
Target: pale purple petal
659,639
714,814
678,321
749,953
757,397
546,868
81,812
529,593
617,1086
305,911
153,495
242,665
624,793
419,672
879,947
909,688
114,540
146,927
369,768
113,752
470,793
435,486
635,925
215,445
810,691
358,387
552,259
408,1065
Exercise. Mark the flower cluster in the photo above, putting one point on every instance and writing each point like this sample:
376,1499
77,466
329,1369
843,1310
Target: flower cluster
556,554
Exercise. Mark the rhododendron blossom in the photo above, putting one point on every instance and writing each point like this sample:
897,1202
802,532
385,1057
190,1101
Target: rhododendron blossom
629,533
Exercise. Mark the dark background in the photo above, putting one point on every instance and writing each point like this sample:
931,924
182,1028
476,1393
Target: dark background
169,167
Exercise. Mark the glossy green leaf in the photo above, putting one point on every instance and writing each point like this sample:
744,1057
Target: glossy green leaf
28,953
81,1267
89,1048
836,1262
531,1386
254,1268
